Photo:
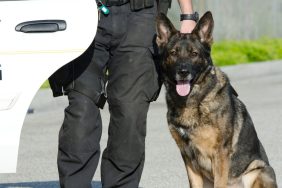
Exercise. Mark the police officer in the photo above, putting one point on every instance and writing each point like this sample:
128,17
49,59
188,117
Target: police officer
121,54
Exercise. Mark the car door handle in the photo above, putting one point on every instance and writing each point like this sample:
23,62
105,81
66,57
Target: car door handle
42,26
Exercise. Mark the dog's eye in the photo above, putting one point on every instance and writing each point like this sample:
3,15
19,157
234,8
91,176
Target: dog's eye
194,54
173,52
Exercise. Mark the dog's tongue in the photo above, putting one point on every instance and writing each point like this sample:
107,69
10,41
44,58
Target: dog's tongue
183,88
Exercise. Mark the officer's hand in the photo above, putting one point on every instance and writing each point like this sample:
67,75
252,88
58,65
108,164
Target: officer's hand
187,26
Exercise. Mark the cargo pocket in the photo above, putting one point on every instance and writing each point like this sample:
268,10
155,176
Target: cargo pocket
93,87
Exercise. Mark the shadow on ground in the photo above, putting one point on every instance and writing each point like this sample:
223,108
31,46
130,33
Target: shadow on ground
46,184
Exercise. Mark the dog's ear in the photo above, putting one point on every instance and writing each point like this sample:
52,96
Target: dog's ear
204,28
165,30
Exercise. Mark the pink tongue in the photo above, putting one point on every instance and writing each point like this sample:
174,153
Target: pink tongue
183,88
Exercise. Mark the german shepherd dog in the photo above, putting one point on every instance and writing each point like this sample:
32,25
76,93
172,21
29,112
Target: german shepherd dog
211,126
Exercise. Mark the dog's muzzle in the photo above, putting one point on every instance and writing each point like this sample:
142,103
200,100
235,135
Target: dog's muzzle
183,82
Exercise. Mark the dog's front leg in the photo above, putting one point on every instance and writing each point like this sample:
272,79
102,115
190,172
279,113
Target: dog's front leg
221,168
195,179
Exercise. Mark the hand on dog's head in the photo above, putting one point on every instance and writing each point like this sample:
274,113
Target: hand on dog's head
203,29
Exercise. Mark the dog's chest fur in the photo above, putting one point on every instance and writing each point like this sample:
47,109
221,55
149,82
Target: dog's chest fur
203,133
201,138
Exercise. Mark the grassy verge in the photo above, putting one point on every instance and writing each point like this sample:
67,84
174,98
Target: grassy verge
238,52
45,85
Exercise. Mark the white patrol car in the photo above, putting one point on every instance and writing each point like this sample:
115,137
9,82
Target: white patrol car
37,37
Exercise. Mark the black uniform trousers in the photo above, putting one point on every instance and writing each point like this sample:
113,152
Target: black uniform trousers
122,46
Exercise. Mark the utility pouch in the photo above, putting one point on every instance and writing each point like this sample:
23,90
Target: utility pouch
113,2
141,4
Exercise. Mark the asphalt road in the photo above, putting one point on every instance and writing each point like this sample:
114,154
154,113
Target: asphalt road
259,87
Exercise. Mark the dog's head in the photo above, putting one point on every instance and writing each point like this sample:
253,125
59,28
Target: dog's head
184,56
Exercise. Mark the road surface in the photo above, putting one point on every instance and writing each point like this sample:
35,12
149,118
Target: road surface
259,86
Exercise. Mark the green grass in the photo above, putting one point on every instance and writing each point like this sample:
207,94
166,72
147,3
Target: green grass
238,52
247,51
45,85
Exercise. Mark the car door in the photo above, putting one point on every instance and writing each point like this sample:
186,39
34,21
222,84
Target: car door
37,37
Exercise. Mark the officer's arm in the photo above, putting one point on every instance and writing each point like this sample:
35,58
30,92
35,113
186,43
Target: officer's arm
186,8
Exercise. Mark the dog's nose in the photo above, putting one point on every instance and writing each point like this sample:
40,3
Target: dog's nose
183,72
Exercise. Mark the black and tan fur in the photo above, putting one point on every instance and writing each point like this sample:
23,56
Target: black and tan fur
211,126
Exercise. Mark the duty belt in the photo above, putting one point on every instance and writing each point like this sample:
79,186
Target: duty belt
114,2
